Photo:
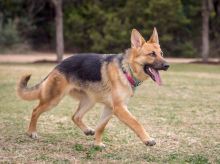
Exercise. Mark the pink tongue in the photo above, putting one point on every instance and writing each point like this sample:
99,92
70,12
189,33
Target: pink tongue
156,76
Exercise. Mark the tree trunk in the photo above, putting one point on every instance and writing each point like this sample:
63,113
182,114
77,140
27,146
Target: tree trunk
205,29
59,29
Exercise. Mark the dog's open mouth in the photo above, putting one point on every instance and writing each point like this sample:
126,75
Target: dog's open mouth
153,73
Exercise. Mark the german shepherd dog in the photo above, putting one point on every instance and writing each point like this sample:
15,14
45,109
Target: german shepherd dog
106,79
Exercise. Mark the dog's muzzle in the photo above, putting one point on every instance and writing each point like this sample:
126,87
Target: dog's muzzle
165,66
160,66
153,70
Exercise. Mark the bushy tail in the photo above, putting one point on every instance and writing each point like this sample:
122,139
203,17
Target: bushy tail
26,93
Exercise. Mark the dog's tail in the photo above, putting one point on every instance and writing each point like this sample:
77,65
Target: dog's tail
31,93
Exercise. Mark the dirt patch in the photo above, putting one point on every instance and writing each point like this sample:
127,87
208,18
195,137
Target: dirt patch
208,62
45,61
51,58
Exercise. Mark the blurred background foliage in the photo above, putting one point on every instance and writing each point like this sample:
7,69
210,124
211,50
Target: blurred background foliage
104,26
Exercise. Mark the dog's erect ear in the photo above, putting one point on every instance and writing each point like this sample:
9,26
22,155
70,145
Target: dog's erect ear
136,39
154,37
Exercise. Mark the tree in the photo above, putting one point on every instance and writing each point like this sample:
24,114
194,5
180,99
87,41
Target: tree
59,29
206,8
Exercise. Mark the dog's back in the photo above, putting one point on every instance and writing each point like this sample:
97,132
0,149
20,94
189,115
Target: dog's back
85,67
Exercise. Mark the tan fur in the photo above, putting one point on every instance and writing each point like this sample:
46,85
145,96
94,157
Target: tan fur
114,91
27,93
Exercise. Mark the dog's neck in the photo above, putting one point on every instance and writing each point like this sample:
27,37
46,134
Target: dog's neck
128,70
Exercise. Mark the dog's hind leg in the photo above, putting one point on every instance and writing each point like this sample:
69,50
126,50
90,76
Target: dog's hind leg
85,105
105,117
42,107
53,90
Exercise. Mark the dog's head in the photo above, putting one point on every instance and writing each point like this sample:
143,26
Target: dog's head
147,56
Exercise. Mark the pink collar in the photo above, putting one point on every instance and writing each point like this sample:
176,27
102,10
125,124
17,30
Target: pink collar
130,79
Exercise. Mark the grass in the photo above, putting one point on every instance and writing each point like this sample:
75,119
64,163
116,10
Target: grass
183,115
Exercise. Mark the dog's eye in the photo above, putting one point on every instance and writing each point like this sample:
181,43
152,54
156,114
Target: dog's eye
161,53
153,54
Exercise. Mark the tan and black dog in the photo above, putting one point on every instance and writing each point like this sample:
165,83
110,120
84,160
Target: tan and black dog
106,79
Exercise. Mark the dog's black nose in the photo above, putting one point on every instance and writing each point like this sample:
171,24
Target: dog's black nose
165,66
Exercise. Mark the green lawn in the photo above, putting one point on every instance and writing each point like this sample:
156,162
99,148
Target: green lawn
183,116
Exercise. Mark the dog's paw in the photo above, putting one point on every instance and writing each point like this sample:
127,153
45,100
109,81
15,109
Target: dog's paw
100,145
150,142
33,135
89,132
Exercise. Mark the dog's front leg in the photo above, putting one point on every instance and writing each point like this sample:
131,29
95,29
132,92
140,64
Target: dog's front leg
120,110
